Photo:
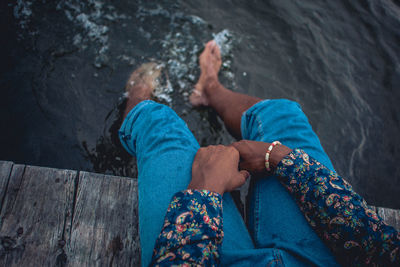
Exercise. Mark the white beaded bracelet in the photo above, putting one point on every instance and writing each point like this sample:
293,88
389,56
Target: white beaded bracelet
267,155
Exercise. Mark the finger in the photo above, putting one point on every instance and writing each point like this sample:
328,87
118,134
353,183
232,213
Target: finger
232,145
207,149
238,145
245,174
242,149
233,157
240,179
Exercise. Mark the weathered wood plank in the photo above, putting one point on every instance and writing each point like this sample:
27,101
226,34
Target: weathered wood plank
50,217
104,229
5,171
37,205
390,216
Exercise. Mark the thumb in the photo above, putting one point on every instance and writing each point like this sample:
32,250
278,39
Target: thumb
240,179
236,145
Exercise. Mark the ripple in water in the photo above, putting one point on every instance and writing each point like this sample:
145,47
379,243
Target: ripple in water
68,60
179,48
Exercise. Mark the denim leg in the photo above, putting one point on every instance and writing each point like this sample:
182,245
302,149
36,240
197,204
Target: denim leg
165,149
274,217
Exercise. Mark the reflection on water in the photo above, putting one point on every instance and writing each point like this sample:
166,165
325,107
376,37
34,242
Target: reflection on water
65,63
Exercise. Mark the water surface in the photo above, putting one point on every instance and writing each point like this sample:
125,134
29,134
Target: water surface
64,65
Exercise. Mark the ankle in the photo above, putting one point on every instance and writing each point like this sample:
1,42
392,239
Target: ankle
211,87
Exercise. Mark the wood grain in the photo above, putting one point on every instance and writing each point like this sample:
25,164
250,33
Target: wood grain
36,208
104,229
5,171
51,217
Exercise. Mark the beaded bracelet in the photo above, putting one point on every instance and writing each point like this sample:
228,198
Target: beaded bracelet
269,152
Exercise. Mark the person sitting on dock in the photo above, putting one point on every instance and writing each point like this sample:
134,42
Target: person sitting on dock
301,211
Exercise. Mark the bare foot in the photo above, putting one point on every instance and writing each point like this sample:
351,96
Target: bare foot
141,84
210,63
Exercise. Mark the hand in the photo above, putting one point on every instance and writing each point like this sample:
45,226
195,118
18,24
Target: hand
252,156
215,168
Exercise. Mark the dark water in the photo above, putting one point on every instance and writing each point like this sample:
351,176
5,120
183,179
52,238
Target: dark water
64,65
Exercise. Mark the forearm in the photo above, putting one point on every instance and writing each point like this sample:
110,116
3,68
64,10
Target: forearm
192,231
340,216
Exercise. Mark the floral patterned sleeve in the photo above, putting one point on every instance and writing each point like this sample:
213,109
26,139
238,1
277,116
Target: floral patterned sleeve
192,232
354,232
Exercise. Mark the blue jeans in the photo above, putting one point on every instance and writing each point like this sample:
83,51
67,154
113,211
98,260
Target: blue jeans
277,232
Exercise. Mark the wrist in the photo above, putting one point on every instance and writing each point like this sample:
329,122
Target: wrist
202,184
277,154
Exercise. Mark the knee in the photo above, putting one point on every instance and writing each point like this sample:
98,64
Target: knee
289,104
285,107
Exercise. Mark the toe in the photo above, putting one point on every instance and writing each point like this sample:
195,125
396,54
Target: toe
213,45
208,46
215,50
210,43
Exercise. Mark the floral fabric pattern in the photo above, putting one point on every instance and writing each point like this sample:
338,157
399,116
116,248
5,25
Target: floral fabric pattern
354,232
192,232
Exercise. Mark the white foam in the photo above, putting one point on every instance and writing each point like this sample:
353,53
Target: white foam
164,92
91,16
23,13
196,20
224,40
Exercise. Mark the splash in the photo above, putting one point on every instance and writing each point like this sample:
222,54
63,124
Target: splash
224,40
92,17
180,53
23,14
163,92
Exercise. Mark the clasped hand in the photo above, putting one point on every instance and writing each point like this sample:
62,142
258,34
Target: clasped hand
223,168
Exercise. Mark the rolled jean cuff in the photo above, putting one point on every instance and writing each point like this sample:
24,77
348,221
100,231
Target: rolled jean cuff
250,119
282,120
125,132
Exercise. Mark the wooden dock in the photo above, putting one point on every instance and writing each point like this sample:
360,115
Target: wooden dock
52,217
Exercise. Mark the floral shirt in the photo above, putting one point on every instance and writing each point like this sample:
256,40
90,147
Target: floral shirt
356,235
192,232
